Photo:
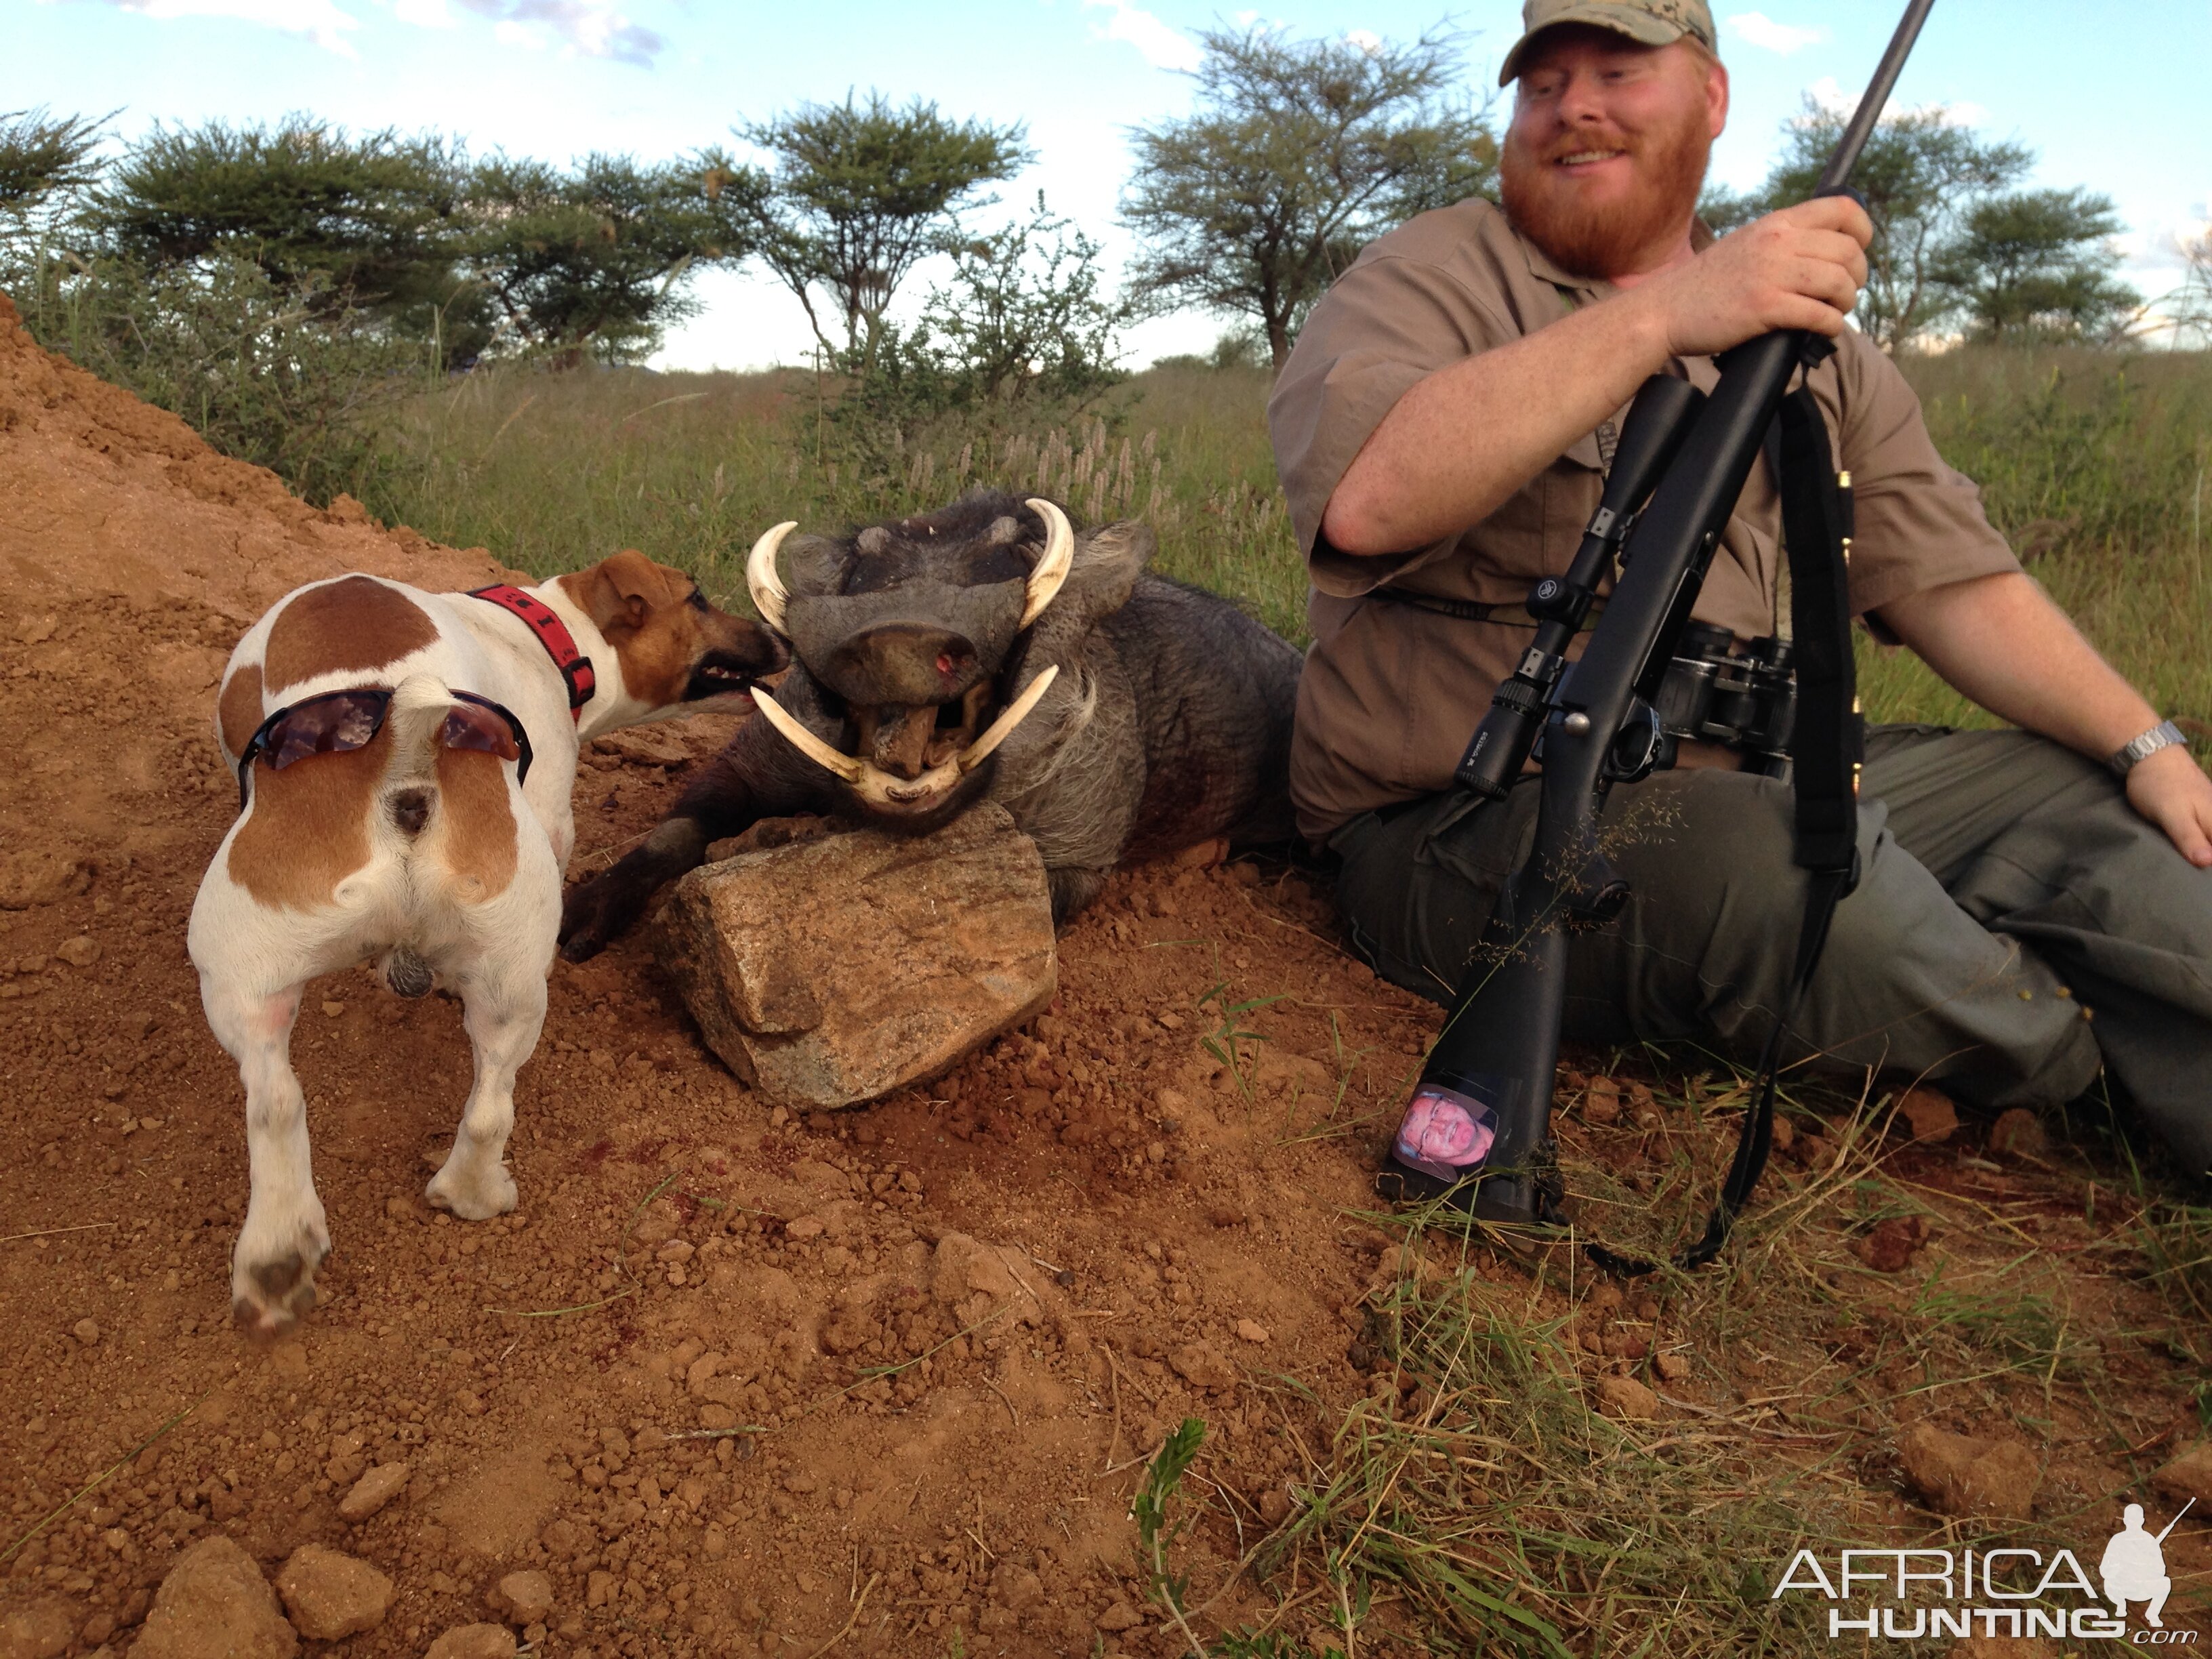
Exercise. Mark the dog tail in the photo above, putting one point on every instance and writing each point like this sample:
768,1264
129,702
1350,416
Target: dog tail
418,708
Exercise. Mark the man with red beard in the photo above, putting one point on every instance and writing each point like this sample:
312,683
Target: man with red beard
1442,431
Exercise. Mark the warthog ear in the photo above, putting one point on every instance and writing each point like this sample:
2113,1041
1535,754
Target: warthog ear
1107,563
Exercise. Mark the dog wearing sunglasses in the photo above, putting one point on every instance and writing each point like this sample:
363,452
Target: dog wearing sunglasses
405,763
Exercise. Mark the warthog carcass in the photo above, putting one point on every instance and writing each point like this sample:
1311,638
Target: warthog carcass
985,649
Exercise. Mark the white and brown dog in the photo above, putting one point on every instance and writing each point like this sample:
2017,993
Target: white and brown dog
405,764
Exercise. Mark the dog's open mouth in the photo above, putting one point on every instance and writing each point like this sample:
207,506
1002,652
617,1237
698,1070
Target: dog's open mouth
719,674
913,757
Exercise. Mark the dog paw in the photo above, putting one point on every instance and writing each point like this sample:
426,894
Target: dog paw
472,1191
273,1283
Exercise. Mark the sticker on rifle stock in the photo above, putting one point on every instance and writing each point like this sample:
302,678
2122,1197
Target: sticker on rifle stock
1445,1133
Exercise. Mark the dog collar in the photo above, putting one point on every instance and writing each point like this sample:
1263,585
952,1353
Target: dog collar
553,634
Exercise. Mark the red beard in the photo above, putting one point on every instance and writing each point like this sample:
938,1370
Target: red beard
1615,238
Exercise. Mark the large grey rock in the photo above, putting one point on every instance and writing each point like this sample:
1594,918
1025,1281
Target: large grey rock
215,1604
829,972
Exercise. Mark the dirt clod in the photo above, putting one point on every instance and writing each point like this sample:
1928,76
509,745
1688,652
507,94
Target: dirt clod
2189,1475
1929,1114
1202,1366
1890,1248
1962,1474
376,1488
39,1629
1625,1397
2019,1133
523,1598
86,1331
215,1604
330,1595
483,1641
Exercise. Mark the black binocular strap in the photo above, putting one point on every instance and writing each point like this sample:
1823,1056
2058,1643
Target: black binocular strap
1826,746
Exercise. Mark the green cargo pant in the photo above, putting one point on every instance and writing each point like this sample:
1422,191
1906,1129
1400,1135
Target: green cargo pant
2016,924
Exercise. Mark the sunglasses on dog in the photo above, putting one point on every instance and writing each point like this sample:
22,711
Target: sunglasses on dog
338,721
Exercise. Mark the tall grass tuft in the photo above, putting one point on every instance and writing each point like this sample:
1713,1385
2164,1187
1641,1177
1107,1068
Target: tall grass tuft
2098,469
551,470
1481,1485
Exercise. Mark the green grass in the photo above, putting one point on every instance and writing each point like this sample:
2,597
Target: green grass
552,471
2099,467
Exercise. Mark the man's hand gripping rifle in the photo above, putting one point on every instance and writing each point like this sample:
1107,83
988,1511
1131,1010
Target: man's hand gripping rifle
1477,1132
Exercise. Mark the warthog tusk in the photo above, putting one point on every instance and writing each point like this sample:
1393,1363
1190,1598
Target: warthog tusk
879,786
1059,559
1015,712
805,742
766,586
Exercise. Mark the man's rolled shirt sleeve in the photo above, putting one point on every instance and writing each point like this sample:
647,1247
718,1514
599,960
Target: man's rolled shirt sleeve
1388,323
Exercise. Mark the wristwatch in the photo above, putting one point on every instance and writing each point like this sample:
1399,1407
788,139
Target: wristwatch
2164,735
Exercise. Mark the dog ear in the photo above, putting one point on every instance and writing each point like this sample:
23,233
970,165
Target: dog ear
617,593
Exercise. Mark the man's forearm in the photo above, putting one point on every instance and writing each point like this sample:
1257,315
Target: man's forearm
1999,640
1462,440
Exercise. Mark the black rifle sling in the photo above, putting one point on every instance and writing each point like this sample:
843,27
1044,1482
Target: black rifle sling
1826,746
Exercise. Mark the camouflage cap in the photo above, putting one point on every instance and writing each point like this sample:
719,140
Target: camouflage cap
1654,22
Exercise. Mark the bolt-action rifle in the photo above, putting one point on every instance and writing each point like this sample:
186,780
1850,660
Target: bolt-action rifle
1477,1133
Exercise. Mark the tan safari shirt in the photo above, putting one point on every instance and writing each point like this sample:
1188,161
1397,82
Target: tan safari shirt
1391,692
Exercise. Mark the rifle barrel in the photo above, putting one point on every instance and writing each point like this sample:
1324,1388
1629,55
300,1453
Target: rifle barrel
1861,129
2176,1521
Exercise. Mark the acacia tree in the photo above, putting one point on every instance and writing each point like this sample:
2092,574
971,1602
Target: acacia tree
859,193
2037,264
1298,153
1922,175
369,223
43,157
595,260
1022,337
2192,305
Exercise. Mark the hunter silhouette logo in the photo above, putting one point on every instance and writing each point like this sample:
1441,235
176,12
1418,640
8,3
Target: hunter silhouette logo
2133,1565
2011,1592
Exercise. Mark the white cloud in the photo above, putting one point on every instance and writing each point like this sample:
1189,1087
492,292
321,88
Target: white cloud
517,34
1158,45
1246,19
424,13
593,27
1366,39
1756,29
1828,93
320,21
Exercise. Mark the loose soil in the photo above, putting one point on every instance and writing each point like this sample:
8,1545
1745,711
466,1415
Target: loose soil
741,1384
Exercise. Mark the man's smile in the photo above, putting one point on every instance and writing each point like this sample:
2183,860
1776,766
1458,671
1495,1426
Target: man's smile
1585,160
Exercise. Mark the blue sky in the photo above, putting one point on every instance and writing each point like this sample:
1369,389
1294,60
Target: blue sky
2111,98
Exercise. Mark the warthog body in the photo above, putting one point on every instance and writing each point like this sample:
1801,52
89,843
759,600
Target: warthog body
1164,721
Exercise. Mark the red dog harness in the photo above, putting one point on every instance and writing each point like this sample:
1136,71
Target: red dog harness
553,634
